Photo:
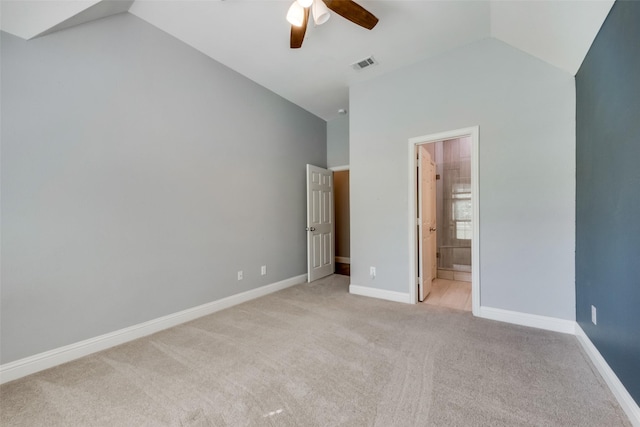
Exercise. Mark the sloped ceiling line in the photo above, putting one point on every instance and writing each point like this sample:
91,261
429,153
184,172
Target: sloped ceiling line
317,77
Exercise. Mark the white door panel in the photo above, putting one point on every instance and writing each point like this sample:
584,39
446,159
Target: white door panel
320,223
427,222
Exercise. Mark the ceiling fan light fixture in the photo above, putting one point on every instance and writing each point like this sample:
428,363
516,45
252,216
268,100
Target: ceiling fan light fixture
305,3
295,15
320,12
298,16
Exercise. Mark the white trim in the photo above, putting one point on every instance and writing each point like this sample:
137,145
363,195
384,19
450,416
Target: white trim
343,259
379,293
531,320
339,168
474,133
625,400
39,362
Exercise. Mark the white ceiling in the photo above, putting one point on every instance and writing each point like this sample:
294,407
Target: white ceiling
252,36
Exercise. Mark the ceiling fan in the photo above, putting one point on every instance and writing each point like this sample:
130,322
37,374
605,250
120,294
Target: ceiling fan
298,16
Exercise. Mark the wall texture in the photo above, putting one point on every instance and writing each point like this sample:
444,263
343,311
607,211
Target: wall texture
138,176
608,193
338,141
526,112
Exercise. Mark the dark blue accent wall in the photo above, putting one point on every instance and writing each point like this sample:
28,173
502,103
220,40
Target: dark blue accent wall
608,193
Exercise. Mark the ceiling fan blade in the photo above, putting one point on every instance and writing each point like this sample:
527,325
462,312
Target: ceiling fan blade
297,33
353,12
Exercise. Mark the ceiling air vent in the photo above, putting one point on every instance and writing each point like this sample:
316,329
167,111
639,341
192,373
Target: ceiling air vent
364,63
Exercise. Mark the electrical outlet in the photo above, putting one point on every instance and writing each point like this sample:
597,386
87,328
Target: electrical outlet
240,275
594,318
263,270
372,272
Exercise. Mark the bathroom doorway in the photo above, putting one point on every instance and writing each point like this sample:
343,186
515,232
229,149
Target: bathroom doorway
453,233
452,284
453,208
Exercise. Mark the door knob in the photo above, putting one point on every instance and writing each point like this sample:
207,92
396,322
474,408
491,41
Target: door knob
311,229
432,229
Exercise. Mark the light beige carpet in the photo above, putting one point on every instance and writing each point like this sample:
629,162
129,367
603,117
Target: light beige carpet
313,355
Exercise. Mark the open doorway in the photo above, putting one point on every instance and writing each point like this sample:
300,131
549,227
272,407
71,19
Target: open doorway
342,242
444,206
444,244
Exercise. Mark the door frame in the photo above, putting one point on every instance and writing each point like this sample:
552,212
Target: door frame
474,133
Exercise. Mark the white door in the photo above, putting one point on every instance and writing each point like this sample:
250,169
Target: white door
320,223
427,222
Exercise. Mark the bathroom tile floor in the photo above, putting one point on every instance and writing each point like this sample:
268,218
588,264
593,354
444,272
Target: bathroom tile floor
450,293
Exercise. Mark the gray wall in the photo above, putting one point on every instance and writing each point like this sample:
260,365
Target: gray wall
138,176
526,112
338,141
607,191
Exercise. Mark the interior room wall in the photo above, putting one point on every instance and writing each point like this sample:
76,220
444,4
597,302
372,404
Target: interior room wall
138,176
338,141
607,183
525,109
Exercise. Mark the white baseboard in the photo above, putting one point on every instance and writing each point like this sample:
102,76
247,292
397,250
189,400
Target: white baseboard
379,293
532,320
625,400
39,362
343,259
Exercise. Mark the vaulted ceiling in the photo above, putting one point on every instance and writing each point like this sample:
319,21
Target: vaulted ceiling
252,36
